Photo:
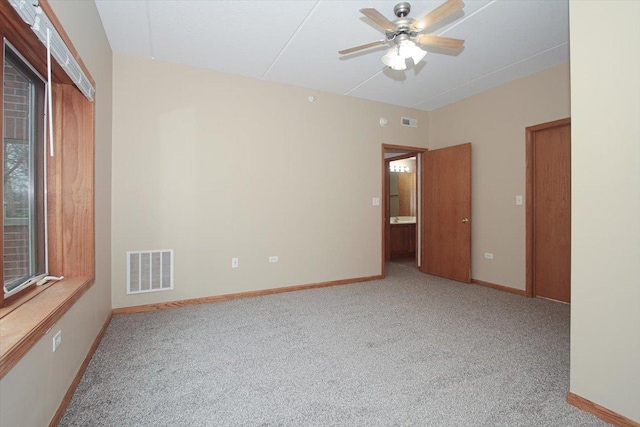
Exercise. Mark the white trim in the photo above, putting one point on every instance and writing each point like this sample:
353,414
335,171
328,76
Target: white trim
23,285
17,53
49,97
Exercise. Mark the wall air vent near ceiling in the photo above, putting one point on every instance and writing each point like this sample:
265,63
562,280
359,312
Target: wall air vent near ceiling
149,271
407,121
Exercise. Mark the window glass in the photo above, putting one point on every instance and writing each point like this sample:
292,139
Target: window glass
23,174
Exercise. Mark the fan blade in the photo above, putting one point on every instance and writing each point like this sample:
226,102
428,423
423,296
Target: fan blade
438,14
445,42
379,19
361,47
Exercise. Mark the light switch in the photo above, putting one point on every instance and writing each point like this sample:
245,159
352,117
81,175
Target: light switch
518,200
376,201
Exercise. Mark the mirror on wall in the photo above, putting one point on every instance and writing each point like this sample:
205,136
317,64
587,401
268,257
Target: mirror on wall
402,187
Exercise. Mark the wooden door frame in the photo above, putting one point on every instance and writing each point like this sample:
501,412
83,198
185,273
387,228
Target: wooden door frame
411,152
529,202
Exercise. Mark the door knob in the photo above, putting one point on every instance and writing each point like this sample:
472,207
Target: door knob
465,220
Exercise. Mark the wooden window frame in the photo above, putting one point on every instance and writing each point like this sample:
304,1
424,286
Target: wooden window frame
27,316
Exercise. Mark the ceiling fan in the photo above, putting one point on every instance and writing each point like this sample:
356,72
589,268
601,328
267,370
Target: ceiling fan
405,34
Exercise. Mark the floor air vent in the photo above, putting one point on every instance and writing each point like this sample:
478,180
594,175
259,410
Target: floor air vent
149,271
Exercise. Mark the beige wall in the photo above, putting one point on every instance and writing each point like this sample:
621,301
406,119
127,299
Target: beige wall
605,309
216,166
494,122
32,391
297,182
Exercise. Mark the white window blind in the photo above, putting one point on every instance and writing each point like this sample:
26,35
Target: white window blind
34,16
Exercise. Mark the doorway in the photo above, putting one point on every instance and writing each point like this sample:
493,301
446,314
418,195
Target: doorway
443,220
548,213
403,207
401,204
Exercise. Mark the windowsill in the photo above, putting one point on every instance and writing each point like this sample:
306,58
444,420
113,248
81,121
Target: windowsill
23,326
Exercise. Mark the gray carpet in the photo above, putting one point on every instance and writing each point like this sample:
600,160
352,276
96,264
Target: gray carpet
410,350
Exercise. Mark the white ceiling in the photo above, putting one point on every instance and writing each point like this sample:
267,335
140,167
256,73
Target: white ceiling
297,42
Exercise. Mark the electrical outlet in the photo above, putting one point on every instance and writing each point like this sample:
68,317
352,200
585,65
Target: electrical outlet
488,255
234,262
57,340
273,259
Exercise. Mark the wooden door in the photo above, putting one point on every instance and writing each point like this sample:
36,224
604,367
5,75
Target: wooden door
446,219
550,152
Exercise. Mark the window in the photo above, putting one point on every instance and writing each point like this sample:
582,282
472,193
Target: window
24,240
26,316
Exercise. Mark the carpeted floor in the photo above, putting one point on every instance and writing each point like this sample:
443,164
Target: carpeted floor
410,350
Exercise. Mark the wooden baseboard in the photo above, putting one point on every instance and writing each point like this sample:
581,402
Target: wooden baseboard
74,384
217,298
600,411
499,287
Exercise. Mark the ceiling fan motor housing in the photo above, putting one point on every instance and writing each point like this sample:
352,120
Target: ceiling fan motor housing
403,27
402,9
403,23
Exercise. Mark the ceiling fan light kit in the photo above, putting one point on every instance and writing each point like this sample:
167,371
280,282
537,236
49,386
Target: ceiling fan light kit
403,33
394,60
